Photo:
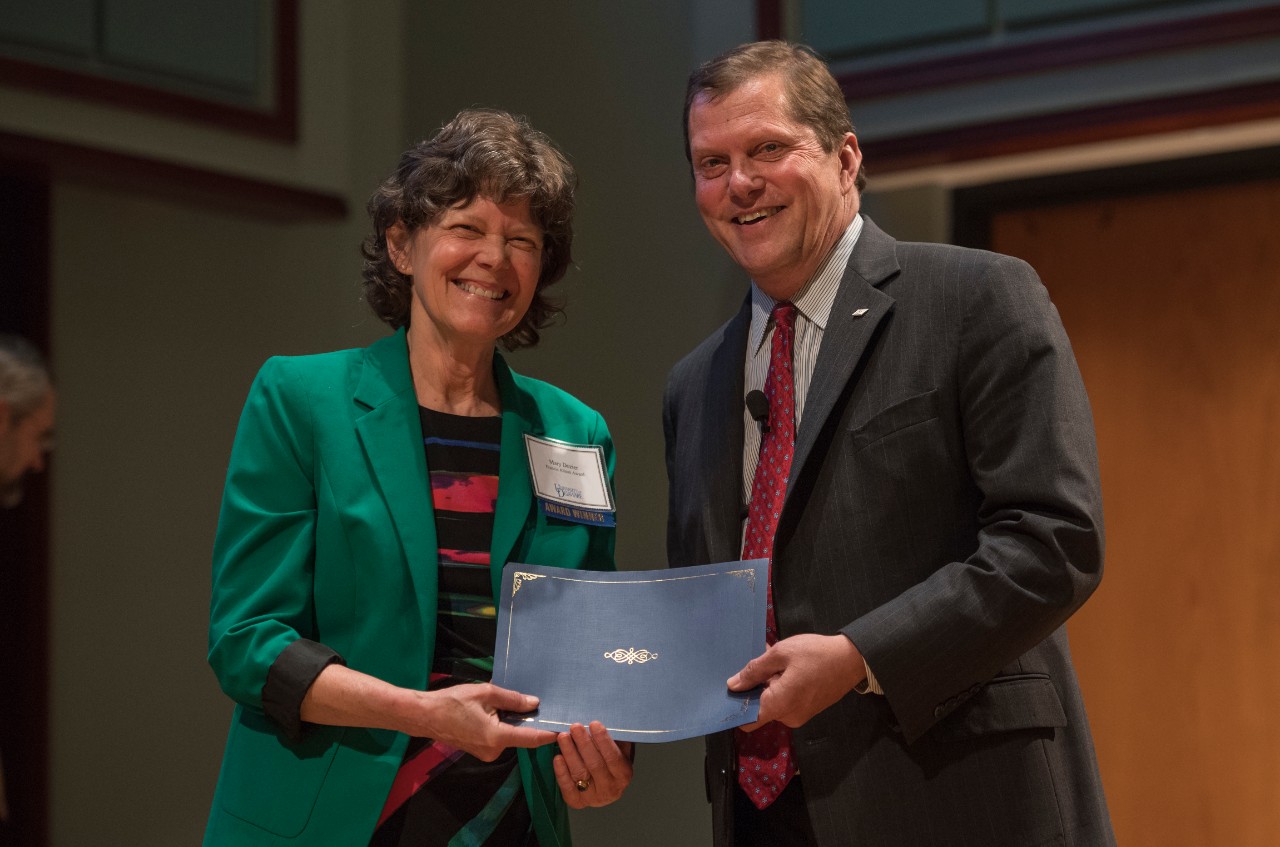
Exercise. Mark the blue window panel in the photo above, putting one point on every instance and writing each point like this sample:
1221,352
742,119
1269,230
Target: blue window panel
838,28
67,26
1019,12
212,42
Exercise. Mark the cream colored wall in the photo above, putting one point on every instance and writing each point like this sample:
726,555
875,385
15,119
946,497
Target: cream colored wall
162,314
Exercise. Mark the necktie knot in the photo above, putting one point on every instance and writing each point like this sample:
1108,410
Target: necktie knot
784,315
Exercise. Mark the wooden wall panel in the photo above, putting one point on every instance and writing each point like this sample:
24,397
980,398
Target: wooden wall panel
1172,302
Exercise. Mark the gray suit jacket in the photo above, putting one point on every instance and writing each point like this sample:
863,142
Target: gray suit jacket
944,513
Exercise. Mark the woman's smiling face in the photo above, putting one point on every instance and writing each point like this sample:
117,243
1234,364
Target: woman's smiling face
474,270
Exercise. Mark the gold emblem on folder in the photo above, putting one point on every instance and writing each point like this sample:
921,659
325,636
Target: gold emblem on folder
631,656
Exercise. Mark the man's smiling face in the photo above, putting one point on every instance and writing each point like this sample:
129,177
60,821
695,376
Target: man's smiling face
765,188
474,270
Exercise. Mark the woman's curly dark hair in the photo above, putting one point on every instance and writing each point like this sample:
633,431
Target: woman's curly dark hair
481,152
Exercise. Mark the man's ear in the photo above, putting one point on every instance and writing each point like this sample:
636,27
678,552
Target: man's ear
850,160
398,238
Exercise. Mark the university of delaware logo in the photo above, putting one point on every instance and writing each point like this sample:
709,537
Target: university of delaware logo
567,492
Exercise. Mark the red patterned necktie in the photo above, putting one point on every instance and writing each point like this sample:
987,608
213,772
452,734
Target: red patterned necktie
766,761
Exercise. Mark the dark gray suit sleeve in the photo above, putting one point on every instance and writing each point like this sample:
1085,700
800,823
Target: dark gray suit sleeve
288,680
1027,433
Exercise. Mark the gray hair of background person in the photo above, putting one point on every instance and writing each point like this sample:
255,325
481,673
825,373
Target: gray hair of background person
481,152
814,98
24,377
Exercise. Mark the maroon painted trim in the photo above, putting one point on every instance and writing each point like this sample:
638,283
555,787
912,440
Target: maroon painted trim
1075,50
768,19
287,76
1102,123
279,122
171,180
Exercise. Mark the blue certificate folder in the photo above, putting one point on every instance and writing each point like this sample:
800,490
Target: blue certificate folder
646,653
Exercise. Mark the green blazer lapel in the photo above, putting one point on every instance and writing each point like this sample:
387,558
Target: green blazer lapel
515,489
391,434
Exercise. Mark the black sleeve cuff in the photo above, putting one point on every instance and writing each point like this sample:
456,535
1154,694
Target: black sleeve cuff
289,678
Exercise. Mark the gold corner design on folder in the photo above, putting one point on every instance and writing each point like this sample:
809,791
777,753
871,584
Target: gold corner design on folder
519,577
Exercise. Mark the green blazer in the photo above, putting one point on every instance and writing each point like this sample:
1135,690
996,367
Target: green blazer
327,533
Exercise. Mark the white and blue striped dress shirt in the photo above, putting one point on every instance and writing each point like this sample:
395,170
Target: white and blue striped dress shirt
813,305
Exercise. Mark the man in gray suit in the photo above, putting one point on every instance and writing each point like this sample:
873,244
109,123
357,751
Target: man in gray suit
921,470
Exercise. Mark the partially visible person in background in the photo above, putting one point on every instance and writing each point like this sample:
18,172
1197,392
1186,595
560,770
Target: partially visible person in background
26,416
26,436
372,499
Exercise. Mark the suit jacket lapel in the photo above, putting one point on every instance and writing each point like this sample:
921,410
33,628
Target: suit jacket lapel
722,453
391,434
858,309
515,489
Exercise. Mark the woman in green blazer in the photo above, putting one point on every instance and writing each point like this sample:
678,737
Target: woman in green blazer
373,497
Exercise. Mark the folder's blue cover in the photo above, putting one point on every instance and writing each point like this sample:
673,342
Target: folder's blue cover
646,653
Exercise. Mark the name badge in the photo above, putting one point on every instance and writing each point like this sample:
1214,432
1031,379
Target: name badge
570,481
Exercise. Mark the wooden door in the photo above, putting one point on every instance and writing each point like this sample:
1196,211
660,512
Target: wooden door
1172,302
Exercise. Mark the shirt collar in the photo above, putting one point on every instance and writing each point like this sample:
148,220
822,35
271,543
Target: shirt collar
816,297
